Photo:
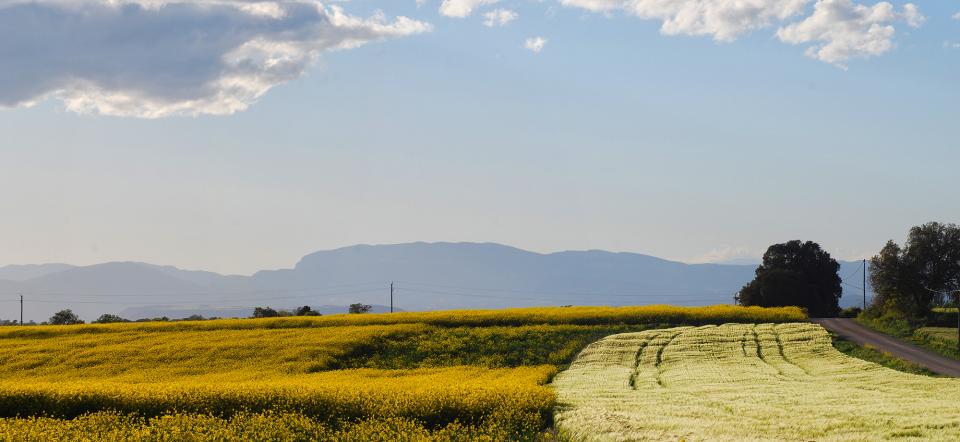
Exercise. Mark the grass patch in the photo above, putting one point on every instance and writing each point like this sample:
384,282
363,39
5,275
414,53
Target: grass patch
948,334
870,354
931,338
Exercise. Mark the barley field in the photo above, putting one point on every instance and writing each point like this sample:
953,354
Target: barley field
743,382
454,375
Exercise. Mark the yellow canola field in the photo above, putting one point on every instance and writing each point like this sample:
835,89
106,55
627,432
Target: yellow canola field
647,314
283,378
265,427
432,397
742,382
125,353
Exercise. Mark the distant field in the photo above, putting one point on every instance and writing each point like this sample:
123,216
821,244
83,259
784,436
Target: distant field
743,382
439,375
648,314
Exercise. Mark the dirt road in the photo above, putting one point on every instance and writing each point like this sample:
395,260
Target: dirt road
851,330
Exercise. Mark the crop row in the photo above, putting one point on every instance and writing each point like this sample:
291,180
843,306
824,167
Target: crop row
288,427
434,396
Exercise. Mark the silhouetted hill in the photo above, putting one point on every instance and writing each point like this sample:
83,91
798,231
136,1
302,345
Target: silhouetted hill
426,276
226,312
30,271
453,275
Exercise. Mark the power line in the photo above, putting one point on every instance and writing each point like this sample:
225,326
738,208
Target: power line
329,290
244,292
851,285
167,301
699,297
852,274
658,292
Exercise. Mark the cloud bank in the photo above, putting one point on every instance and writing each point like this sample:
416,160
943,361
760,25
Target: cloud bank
841,29
837,30
156,58
724,20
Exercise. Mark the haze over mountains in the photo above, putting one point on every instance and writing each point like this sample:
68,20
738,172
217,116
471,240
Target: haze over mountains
426,276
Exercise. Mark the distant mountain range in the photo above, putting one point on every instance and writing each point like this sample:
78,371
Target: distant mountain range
426,276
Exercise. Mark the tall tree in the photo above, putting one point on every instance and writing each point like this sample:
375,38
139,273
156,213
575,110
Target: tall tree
65,317
108,318
795,273
910,280
265,312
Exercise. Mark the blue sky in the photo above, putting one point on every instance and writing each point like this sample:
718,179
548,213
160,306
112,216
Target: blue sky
614,135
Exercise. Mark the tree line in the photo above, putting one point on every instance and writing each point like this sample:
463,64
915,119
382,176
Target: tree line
908,281
267,312
68,317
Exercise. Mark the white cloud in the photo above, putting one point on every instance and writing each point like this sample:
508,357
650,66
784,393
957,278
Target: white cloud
951,45
841,30
535,44
956,16
911,14
154,58
462,8
499,17
724,20
596,5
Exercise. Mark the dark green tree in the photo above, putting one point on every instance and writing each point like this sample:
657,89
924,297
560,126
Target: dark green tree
795,273
360,308
306,311
265,312
65,317
909,280
108,318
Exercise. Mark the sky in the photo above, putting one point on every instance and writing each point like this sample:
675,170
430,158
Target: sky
235,136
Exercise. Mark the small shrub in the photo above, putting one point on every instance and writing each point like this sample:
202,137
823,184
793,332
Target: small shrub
851,312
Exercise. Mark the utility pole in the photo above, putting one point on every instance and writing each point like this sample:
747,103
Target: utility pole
21,309
391,297
864,285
